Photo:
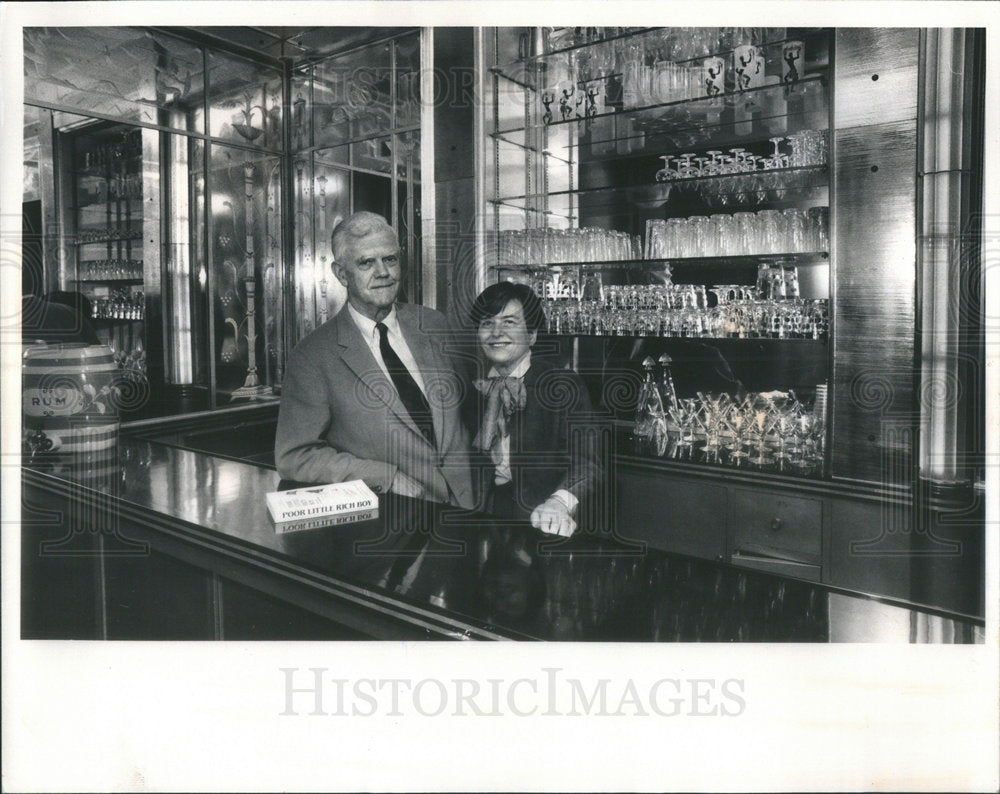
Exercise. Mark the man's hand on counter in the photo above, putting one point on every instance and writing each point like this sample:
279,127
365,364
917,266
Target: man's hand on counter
553,516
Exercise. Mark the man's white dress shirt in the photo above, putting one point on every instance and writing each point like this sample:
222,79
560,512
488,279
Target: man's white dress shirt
396,341
500,453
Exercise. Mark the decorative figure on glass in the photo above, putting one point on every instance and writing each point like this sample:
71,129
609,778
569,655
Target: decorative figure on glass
791,54
567,89
547,99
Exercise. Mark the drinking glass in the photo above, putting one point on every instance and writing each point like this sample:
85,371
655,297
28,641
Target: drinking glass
738,420
715,408
764,280
817,439
770,241
701,241
802,431
786,409
818,221
762,421
749,239
729,233
685,416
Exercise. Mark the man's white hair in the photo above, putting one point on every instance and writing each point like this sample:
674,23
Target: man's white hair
354,227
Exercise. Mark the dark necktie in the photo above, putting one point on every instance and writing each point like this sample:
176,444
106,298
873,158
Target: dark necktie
409,392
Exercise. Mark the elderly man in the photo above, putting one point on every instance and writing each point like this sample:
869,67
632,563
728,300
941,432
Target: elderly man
372,394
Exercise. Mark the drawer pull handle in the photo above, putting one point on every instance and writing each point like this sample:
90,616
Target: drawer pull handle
775,524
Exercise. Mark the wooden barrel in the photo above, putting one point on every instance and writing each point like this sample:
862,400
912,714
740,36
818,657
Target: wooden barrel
69,393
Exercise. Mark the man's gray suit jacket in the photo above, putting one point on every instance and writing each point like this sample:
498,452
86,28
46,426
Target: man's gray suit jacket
341,419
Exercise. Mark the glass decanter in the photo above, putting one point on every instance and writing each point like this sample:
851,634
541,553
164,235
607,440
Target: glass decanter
650,422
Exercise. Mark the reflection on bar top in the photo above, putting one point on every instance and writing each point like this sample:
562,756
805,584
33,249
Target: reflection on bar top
505,576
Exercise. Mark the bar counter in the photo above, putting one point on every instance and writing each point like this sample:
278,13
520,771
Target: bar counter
173,543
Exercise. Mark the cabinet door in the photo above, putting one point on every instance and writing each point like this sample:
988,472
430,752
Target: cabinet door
935,557
683,516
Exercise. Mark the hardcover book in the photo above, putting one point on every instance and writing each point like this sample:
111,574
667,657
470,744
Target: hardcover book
321,501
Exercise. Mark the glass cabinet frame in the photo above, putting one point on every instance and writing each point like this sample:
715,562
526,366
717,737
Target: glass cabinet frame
590,133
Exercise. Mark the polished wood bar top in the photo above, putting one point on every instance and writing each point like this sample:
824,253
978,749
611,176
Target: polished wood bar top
470,575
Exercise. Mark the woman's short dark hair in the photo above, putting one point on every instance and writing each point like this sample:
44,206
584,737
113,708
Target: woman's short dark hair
494,299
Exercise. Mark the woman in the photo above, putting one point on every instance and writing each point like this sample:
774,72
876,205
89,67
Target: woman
535,436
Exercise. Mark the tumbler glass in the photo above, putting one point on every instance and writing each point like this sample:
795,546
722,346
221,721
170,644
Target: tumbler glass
702,242
770,231
818,221
748,231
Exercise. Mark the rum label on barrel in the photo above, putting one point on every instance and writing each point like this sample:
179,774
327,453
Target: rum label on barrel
65,400
52,402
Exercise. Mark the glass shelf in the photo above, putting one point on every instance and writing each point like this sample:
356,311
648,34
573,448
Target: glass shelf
531,72
694,114
105,240
734,340
727,204
108,280
110,202
111,169
749,261
600,145
545,56
789,179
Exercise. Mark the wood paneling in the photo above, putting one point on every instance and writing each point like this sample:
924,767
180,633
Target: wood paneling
875,254
870,548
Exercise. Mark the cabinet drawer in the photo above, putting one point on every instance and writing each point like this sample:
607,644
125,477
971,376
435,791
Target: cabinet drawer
776,525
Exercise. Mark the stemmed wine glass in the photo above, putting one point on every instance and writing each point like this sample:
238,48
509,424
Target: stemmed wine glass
802,431
762,421
715,407
685,416
738,420
787,410
816,438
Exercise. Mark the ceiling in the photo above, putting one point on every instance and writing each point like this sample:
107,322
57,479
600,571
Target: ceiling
298,43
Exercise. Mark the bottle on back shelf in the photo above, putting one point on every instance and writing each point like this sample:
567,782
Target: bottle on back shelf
650,417
668,394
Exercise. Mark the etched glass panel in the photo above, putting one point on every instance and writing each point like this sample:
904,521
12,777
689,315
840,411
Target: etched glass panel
127,74
245,251
408,81
301,110
245,101
353,95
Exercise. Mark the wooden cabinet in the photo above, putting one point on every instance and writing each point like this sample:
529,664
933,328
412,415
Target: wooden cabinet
765,530
868,542
679,515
